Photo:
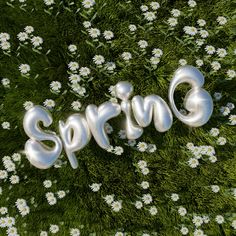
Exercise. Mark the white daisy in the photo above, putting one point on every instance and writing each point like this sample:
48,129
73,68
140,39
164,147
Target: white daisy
29,29
149,16
221,20
72,48
182,62
190,30
142,164
182,211
214,132
212,159
43,233
6,82
204,34
119,234
217,96
197,220
221,141
3,174
88,3
109,199
147,198
76,105
47,183
49,103
4,37
192,3
94,32
215,65
49,2
74,232
6,125
175,12
126,56
219,219
154,60
122,134
144,8
36,41
74,78
138,204
232,119
27,105
132,28
98,59
198,232
153,210
193,162
142,44
144,185
215,188
154,5
14,179
54,229
233,224
210,49
116,206
231,74
145,171
87,24
142,146
221,52
157,52
172,21
5,45
175,197
118,150
24,68
200,42
3,210
110,66
84,71
55,86
184,230
199,62
22,36
95,187
73,66
108,34
61,194
201,22
225,111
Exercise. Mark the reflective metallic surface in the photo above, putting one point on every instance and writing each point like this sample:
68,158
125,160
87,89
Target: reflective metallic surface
77,130
38,153
155,107
197,101
97,117
75,135
124,91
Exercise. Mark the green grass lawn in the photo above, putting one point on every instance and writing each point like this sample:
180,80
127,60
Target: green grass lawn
142,42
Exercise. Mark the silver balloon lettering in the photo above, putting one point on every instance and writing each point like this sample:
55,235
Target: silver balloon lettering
152,105
124,91
97,117
197,101
77,130
75,135
38,153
